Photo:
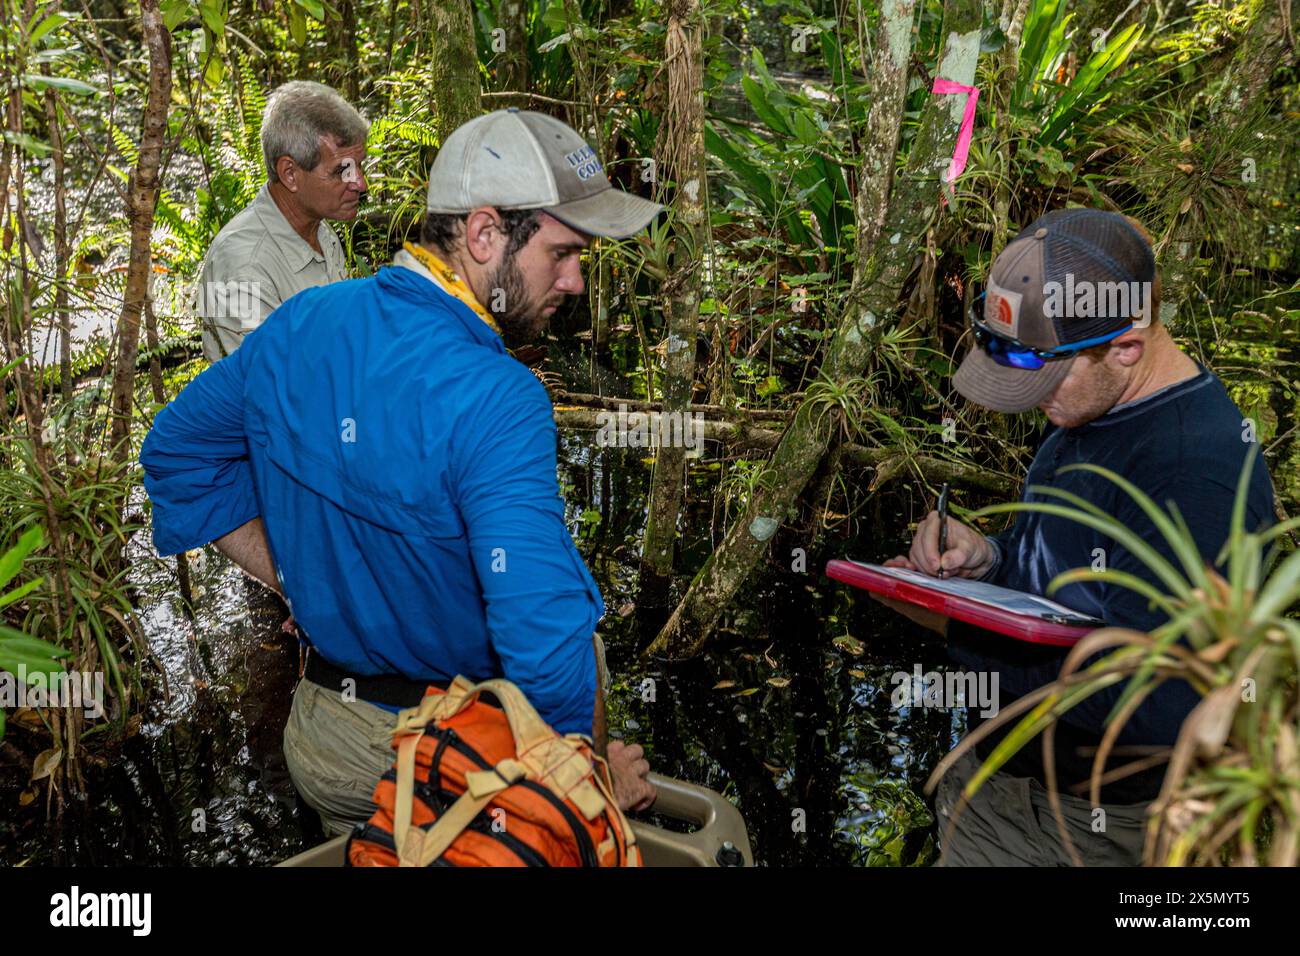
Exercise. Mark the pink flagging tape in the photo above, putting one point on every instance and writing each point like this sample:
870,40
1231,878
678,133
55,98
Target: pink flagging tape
962,151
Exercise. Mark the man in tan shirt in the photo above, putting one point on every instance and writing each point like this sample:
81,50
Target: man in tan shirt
314,144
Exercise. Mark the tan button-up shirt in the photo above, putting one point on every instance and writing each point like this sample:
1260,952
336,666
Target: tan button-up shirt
257,262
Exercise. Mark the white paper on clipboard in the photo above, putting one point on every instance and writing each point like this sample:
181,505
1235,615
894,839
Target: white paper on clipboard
991,595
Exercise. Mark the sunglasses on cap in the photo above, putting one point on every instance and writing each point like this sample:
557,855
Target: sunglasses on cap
1013,353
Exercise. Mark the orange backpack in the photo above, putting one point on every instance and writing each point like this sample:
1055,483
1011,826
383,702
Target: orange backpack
478,785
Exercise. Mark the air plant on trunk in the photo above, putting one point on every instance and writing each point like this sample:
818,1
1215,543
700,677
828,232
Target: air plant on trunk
1232,787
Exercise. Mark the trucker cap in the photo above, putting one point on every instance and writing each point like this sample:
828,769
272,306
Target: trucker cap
1071,277
520,159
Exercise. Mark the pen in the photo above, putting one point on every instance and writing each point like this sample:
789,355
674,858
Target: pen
943,525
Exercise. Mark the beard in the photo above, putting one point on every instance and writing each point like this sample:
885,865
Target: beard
1086,398
520,316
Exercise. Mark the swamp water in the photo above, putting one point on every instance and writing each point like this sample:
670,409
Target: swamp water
788,713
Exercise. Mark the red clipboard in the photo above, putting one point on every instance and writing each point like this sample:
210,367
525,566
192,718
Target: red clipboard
1023,627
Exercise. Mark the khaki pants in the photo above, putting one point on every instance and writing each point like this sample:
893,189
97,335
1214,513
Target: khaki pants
1009,822
337,751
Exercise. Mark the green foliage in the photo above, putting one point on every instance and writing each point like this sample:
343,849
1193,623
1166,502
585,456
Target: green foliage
1211,25
20,653
1227,175
1061,106
17,649
743,480
788,173
229,149
844,401
90,579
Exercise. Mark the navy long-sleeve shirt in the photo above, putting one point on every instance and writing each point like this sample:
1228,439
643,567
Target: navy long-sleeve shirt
1184,445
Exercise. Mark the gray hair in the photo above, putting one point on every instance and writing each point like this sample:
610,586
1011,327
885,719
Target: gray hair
297,114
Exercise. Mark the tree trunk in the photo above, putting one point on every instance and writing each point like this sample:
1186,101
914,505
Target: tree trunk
62,314
341,48
141,200
681,160
1012,23
454,85
513,73
602,296
1232,101
891,219
739,435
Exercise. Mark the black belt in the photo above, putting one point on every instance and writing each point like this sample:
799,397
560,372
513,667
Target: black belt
391,689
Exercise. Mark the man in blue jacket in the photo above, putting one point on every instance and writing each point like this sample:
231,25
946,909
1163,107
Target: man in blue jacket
374,453
1068,325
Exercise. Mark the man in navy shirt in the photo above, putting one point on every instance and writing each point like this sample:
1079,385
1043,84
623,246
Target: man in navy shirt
1068,326
374,452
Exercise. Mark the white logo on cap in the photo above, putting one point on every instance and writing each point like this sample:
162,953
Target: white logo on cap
1002,310
1106,300
584,162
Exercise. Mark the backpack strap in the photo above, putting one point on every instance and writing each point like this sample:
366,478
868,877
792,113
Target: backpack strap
422,847
406,749
411,724
528,728
558,762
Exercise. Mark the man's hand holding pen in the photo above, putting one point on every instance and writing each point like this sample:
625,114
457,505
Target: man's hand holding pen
968,553
941,548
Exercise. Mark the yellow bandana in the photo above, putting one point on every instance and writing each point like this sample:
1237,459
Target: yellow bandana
450,282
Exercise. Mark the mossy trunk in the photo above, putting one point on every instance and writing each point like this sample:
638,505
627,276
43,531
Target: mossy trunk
513,60
141,202
1012,24
454,85
681,159
892,217
1234,101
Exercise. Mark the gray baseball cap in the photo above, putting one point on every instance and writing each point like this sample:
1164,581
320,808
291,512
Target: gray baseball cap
520,159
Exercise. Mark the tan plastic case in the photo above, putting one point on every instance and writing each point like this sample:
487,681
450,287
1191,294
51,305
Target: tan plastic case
719,837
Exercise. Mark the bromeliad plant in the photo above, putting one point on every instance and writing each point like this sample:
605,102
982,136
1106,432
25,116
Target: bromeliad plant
1232,786
788,171
22,655
1059,105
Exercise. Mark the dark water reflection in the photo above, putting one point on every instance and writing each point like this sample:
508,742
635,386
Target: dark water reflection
798,732
788,713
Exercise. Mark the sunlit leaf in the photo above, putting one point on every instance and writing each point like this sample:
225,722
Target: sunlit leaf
65,83
46,762
849,644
